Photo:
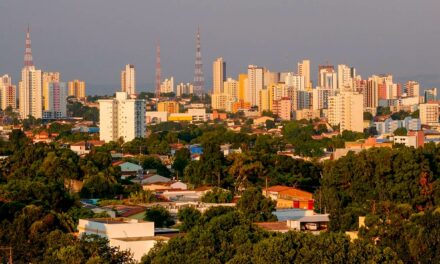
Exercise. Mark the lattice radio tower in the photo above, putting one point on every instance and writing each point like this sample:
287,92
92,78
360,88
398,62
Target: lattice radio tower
28,59
199,81
158,70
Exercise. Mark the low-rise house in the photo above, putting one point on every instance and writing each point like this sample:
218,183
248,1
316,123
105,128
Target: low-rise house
128,168
84,147
175,185
156,178
128,234
290,197
413,139
317,222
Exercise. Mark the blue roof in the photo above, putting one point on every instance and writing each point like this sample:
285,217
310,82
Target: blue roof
289,214
128,166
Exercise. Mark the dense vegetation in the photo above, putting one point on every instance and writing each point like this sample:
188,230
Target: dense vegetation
225,235
397,190
37,211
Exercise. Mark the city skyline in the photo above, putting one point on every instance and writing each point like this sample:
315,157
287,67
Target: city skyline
392,44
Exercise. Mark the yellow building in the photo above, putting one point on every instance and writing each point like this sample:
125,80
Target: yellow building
180,117
77,89
242,83
48,77
168,106
264,100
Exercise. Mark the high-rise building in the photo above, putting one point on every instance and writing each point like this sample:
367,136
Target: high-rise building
271,78
128,80
255,84
77,89
283,108
8,93
412,89
30,86
57,101
218,75
167,86
295,81
30,93
182,88
48,77
264,104
321,97
231,87
345,110
121,117
304,70
242,86
346,76
429,113
327,77
430,95
371,92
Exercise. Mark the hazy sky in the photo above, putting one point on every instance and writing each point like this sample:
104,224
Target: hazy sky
94,39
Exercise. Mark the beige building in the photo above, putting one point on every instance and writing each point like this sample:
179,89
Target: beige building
346,110
345,78
8,92
128,79
429,113
170,107
30,93
255,84
412,89
283,108
167,86
77,89
183,88
304,70
218,75
306,114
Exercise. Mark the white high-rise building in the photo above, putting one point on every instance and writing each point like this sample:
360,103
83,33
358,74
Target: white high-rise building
30,93
56,101
184,89
167,86
345,78
255,84
304,70
121,117
128,80
321,97
8,92
297,82
328,78
346,110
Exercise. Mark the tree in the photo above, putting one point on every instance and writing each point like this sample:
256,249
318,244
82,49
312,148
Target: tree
159,215
255,207
189,217
270,124
181,160
401,131
368,116
217,195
